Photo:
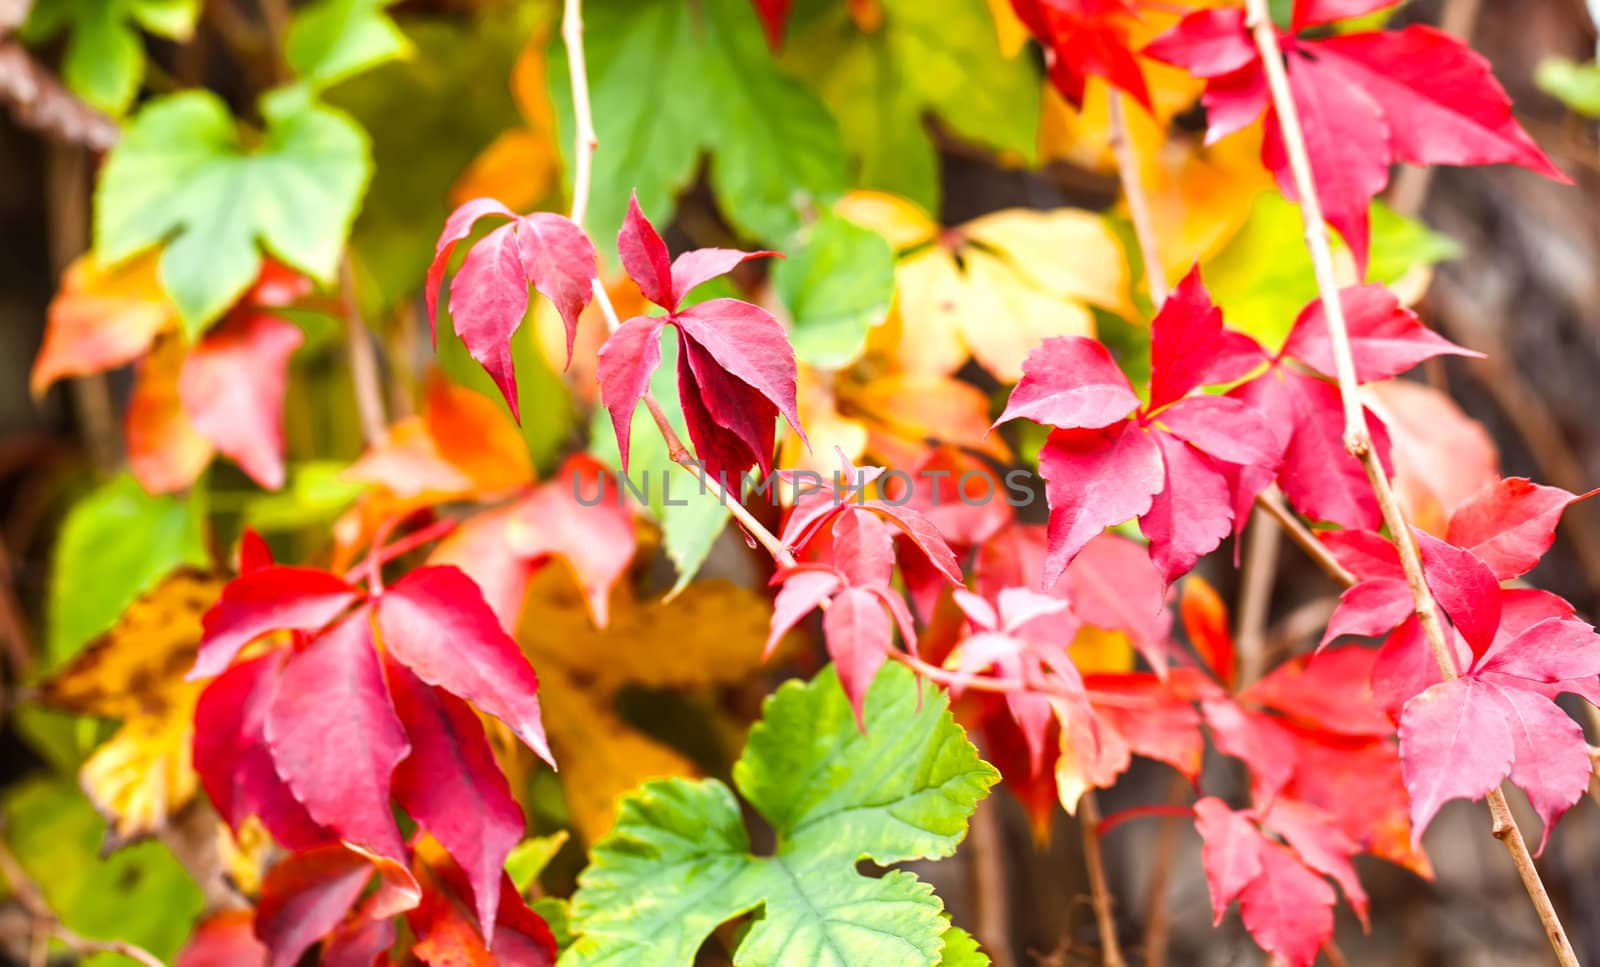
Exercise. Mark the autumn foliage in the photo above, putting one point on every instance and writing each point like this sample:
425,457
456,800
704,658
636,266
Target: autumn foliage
474,651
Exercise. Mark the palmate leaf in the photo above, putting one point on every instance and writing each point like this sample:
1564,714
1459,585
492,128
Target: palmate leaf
774,147
678,863
181,176
104,62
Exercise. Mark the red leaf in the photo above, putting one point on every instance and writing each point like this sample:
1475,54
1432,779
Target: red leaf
1556,649
1191,513
1386,339
1455,743
1510,524
1288,909
225,939
307,895
1331,692
1113,585
447,932
436,622
1189,347
1226,428
701,265
361,939
774,14
452,786
232,386
1093,479
1370,609
232,758
803,591
1255,738
1441,102
627,359
1464,587
1071,381
1311,13
489,295
581,517
1321,845
645,257
859,637
1083,39
1207,43
1549,752
335,738
1346,138
269,599
1231,852
747,343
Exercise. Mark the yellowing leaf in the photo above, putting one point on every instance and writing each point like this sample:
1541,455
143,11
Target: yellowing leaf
991,288
710,634
521,165
101,319
135,672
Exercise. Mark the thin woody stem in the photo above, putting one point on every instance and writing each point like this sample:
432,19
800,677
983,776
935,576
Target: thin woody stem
583,164
1099,891
1358,442
1155,272
32,900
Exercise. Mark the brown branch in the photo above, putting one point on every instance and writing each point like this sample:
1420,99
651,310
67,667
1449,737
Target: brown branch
41,102
363,359
1155,272
32,900
1271,501
1358,442
1099,891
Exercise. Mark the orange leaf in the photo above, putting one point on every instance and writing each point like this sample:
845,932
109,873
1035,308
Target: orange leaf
101,319
166,452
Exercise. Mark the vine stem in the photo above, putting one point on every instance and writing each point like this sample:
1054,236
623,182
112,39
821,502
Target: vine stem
1359,443
1099,891
363,359
1155,271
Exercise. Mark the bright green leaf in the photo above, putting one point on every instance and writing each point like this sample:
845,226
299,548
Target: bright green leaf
335,39
529,858
115,544
1263,277
837,283
961,950
774,147
938,56
180,175
316,493
678,863
104,61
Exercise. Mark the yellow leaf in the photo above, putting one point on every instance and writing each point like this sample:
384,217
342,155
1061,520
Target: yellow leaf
1013,36
993,287
1098,651
135,672
710,634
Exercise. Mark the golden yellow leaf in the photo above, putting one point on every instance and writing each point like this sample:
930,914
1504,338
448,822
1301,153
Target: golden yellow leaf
991,288
1099,651
135,672
710,634
1012,34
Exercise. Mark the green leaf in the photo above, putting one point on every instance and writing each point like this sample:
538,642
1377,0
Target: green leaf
529,858
1573,84
775,149
691,517
316,493
1263,277
557,915
115,544
678,862
336,39
104,61
961,950
928,56
837,283
139,894
181,176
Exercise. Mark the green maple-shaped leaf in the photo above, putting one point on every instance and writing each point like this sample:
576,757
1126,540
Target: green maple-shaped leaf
925,56
774,147
104,60
837,283
336,39
181,175
678,862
